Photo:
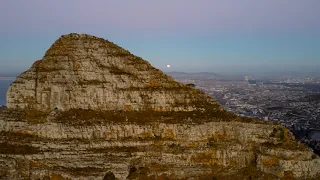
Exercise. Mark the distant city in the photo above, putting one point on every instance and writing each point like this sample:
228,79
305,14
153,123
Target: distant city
292,101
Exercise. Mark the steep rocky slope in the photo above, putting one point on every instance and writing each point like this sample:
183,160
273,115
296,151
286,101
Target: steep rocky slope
82,71
91,110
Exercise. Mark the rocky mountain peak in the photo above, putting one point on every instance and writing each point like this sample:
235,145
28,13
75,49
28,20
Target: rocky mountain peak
74,44
81,71
118,117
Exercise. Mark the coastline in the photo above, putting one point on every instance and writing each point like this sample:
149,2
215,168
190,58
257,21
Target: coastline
7,78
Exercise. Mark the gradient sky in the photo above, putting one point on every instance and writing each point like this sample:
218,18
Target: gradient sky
191,35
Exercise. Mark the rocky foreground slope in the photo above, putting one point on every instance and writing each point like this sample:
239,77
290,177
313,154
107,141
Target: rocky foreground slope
92,110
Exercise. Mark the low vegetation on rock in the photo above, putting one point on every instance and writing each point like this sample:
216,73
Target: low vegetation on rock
90,109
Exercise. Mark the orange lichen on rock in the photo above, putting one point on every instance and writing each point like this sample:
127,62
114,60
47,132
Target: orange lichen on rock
270,161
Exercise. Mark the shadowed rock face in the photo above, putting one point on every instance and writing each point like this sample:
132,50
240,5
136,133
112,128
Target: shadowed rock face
83,71
91,110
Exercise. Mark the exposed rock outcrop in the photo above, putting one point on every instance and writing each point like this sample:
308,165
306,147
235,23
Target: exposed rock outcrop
83,71
91,110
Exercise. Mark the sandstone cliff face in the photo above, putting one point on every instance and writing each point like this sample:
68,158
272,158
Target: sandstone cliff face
83,71
91,110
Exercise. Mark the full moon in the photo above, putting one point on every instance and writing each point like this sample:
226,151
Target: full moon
168,65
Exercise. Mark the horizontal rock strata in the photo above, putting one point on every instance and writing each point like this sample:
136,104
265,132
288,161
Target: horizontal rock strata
92,110
178,150
82,71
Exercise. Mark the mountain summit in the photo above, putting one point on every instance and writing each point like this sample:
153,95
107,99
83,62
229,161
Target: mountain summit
89,109
83,71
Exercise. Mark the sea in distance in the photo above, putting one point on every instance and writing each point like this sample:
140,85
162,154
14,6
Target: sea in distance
4,85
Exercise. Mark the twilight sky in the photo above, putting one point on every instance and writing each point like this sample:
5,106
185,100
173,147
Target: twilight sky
237,36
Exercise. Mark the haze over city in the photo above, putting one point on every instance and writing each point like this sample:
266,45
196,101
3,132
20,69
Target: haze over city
219,36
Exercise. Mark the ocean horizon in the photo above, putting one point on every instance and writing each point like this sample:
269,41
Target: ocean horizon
4,85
